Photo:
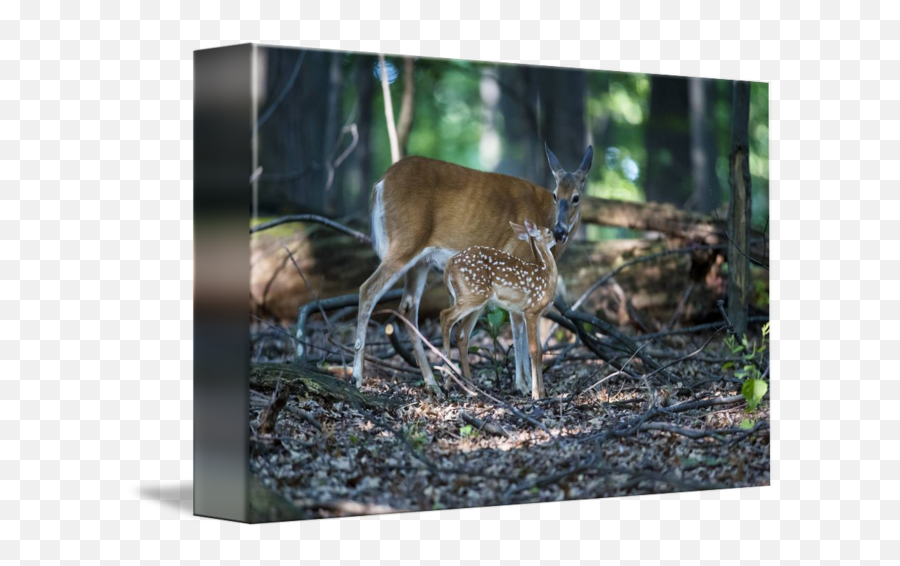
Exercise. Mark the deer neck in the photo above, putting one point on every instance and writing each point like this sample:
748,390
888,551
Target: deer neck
544,258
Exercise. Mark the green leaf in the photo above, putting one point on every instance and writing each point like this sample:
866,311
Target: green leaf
466,431
753,391
728,365
765,329
496,317
473,349
747,424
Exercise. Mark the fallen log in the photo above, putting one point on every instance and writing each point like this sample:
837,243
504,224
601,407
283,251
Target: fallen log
335,266
304,380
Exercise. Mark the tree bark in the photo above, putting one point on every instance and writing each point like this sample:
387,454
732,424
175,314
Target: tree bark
739,209
706,192
668,172
361,170
333,123
304,380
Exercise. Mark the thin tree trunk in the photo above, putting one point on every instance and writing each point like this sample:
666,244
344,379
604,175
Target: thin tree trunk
407,106
389,110
333,125
361,181
706,193
668,177
739,209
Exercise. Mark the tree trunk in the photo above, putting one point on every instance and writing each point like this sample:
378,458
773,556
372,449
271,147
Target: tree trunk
359,177
522,151
668,177
706,192
562,116
739,209
333,125
407,106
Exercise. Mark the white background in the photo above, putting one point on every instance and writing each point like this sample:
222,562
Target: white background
96,278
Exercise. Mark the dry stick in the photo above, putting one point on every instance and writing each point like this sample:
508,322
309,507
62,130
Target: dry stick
360,237
694,329
317,301
680,307
305,415
687,357
484,425
269,416
697,433
605,327
331,304
608,377
455,369
374,360
398,346
600,282
389,110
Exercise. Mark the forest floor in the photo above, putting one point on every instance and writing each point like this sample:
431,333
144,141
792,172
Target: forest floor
598,434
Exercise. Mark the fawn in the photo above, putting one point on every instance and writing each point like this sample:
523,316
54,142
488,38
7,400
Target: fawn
481,275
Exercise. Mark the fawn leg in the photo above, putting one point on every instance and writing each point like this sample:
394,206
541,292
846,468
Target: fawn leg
462,341
534,348
520,342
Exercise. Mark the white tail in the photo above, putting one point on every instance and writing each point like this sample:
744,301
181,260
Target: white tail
480,275
424,211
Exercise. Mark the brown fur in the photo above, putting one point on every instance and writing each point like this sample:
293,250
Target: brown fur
438,204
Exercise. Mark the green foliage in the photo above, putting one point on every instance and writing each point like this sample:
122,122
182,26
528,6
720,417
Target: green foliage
495,320
747,424
753,357
467,431
416,437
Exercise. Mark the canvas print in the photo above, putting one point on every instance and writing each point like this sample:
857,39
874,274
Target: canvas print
477,284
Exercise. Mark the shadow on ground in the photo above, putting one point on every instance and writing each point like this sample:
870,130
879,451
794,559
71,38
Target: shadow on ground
179,496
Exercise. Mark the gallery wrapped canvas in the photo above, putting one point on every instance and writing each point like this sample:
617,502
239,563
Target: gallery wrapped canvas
429,284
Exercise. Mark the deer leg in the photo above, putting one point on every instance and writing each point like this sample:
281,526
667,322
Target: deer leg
534,349
520,343
449,317
462,341
409,308
369,293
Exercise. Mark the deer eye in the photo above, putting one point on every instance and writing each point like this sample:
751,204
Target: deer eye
575,199
554,197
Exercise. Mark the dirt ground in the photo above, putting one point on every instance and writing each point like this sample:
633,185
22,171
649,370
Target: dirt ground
621,436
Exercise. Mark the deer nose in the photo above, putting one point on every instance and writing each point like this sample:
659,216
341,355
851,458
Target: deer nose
560,233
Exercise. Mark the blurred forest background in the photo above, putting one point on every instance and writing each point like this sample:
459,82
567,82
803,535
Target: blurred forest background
323,139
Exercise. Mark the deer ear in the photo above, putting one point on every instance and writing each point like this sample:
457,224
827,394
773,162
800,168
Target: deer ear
586,162
557,169
520,230
531,228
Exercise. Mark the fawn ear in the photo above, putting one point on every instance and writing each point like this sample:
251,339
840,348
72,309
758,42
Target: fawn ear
531,228
520,230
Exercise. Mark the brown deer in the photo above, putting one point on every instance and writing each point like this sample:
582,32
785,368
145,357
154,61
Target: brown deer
426,211
480,275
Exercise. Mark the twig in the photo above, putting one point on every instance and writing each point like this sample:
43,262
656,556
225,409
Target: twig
332,304
479,424
388,110
721,304
600,282
360,237
398,346
280,98
679,307
269,416
694,329
304,415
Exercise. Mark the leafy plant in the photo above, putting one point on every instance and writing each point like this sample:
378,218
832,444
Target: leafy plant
493,323
467,431
416,437
752,356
